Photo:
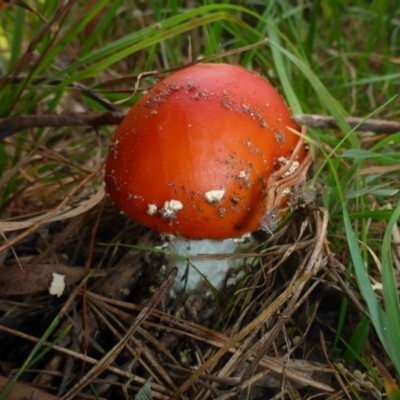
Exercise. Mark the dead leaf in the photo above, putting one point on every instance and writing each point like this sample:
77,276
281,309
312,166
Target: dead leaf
24,391
35,278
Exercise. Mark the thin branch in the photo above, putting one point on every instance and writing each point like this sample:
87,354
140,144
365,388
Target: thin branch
371,125
8,126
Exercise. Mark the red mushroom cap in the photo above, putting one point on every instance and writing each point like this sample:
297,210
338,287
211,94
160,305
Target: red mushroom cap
193,155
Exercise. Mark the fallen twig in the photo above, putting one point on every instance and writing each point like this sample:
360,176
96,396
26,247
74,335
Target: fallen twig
9,126
370,125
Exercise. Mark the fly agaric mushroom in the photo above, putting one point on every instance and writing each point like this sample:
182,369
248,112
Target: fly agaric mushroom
207,154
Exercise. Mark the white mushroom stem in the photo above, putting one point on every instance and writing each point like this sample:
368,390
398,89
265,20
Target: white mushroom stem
214,270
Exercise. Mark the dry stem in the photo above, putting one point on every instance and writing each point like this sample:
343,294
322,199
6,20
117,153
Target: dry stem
9,126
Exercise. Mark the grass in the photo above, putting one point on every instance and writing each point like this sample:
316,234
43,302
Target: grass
332,58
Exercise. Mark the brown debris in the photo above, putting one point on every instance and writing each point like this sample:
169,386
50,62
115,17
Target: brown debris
20,280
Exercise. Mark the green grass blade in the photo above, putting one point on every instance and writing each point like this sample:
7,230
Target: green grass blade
358,340
323,94
16,46
312,30
390,291
377,314
293,101
106,20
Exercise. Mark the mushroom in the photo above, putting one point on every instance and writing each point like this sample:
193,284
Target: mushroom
207,155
